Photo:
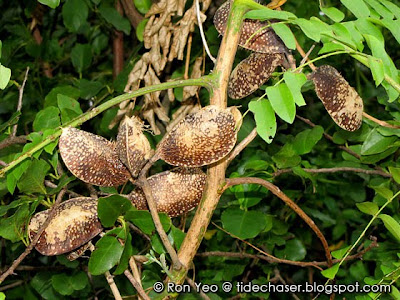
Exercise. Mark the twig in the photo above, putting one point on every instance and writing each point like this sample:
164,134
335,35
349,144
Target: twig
203,37
243,144
273,259
304,55
28,249
140,258
266,256
187,61
334,170
113,286
139,232
50,184
193,285
19,105
11,285
136,285
281,280
135,271
144,184
329,137
277,192
130,11
380,122
11,140
37,268
118,45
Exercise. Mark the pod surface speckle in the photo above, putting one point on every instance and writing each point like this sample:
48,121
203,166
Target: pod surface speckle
74,224
175,192
92,158
341,100
251,73
201,138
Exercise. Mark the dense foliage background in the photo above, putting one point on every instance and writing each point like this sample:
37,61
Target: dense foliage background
68,48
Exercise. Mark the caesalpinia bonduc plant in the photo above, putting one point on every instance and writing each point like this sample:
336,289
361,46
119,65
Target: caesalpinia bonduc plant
207,139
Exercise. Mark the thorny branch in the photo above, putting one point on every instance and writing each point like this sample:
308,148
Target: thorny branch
277,192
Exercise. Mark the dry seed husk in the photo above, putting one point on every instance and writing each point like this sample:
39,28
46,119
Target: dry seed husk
92,158
201,138
251,73
265,41
175,192
341,100
132,146
74,224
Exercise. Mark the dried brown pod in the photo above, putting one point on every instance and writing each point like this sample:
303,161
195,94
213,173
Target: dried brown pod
132,146
74,255
201,138
251,73
255,35
341,100
175,192
92,158
73,225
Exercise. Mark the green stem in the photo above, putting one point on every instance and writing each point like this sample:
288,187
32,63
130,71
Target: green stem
367,227
363,58
205,81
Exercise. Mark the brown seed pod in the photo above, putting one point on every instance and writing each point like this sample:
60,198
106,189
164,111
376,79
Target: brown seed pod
341,101
132,145
92,158
251,73
201,138
175,192
264,40
74,224
74,255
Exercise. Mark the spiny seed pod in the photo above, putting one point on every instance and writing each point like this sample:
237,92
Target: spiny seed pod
201,138
175,192
92,158
132,145
255,35
74,224
341,101
251,73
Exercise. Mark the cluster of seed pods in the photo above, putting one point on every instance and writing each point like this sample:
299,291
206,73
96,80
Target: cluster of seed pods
200,139
341,101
